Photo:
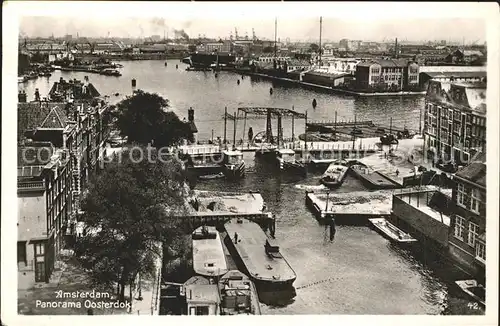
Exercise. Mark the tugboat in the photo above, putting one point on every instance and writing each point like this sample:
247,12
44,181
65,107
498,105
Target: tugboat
267,268
209,259
233,164
239,295
286,161
334,175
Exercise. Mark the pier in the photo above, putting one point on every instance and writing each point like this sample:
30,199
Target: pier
217,208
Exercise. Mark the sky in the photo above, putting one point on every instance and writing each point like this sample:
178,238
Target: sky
344,20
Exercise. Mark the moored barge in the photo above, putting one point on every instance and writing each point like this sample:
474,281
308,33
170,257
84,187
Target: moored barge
208,255
258,255
238,295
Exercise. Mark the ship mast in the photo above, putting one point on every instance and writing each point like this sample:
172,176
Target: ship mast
275,35
320,28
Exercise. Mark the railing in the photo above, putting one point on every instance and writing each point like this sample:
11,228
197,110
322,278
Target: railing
31,185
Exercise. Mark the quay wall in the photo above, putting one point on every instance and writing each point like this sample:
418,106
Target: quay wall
420,221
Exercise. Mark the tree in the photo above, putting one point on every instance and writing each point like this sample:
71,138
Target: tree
314,47
130,208
268,49
143,117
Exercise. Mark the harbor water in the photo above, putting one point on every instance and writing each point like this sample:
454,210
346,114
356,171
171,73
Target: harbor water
359,272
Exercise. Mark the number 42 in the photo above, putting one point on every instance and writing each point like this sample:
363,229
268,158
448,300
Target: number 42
473,305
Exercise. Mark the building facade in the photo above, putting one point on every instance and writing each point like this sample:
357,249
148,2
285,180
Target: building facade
71,136
45,205
387,75
455,121
468,225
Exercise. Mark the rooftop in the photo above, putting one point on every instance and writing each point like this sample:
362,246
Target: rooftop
474,172
452,68
455,74
31,115
202,293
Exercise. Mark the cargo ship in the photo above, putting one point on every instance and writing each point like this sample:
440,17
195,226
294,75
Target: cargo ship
206,59
208,255
258,255
239,295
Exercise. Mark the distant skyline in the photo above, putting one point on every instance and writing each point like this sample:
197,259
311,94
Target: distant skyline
468,30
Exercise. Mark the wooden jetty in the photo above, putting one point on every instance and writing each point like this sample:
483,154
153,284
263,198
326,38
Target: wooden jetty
217,208
354,208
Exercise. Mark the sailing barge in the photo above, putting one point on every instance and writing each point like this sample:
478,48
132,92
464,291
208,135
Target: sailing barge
258,255
392,232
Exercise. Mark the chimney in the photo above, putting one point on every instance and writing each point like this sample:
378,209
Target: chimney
191,114
396,48
22,98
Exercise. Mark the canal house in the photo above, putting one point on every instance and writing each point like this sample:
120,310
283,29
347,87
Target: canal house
468,232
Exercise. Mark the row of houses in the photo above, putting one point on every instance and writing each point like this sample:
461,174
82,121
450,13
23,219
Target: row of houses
60,145
454,131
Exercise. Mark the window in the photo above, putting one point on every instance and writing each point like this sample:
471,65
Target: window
473,233
475,200
459,229
21,252
202,311
39,249
461,195
480,250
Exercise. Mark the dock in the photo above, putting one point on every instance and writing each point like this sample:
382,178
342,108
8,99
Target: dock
354,208
216,208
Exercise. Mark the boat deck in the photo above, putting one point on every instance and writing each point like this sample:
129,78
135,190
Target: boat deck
391,230
250,246
374,179
208,255
237,283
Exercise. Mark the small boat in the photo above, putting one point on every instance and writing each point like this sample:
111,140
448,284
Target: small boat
334,175
286,160
166,64
176,66
117,94
110,72
233,164
238,82
271,91
391,231
314,103
209,259
473,289
239,294
212,176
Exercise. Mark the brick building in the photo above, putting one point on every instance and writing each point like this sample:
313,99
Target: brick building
455,121
468,224
387,75
71,136
45,205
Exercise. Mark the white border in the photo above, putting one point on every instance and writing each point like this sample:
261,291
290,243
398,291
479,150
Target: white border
190,10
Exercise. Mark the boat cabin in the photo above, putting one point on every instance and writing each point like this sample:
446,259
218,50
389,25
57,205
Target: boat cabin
232,157
202,299
236,295
286,155
204,233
